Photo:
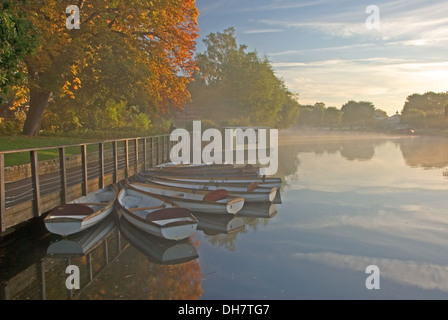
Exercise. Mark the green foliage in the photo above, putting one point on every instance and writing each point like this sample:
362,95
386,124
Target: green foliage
426,110
18,39
13,125
358,113
415,118
332,117
236,86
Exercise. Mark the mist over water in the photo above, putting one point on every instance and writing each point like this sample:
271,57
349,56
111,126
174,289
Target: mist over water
347,202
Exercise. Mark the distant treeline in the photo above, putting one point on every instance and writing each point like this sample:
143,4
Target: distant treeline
420,111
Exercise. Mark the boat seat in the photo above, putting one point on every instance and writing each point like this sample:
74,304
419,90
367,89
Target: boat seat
71,209
252,186
168,213
216,195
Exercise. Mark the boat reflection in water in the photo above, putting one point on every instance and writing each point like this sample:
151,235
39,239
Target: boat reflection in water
258,210
158,250
212,224
84,242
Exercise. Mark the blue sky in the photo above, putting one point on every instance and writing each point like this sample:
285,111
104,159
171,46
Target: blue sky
324,52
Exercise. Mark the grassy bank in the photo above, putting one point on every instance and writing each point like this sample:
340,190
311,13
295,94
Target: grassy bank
24,142
54,139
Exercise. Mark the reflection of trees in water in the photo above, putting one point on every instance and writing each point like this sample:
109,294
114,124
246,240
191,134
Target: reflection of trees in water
133,276
228,240
425,152
224,240
361,150
350,149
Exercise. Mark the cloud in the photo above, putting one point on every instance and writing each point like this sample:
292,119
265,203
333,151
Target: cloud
428,276
384,81
252,31
402,21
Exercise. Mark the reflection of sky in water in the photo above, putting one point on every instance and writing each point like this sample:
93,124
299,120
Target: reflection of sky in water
337,217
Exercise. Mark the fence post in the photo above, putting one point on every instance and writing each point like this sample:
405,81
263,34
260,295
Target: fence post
136,156
2,193
115,155
63,176
101,158
35,181
126,155
152,151
158,150
145,158
85,189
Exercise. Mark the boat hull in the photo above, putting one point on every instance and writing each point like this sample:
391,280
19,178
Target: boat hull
195,203
259,194
69,224
171,228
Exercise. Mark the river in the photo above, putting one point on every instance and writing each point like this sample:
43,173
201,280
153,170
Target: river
349,203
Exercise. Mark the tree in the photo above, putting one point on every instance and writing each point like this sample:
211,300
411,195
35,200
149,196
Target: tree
234,86
155,40
332,117
18,39
414,117
427,109
312,115
357,113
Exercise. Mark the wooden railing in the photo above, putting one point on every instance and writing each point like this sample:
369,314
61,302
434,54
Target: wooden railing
47,184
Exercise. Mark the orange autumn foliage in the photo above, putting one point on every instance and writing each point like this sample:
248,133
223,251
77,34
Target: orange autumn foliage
160,36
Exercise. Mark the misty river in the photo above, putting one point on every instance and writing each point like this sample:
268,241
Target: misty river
348,201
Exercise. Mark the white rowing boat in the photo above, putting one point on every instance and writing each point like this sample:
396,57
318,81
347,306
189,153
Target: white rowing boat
270,182
204,171
156,215
251,192
82,243
81,213
216,201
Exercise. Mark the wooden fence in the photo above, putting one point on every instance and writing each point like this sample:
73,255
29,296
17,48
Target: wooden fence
30,190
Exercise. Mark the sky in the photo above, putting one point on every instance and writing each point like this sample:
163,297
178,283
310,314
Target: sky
333,51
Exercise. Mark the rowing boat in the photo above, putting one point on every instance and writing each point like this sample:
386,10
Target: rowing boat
82,243
216,201
204,171
155,214
251,192
81,213
270,182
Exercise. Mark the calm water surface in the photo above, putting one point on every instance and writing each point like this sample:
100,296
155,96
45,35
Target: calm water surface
346,203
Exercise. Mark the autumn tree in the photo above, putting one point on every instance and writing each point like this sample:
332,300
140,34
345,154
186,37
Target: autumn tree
18,39
140,52
235,86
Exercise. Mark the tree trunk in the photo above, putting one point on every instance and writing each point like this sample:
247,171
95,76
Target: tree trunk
38,102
